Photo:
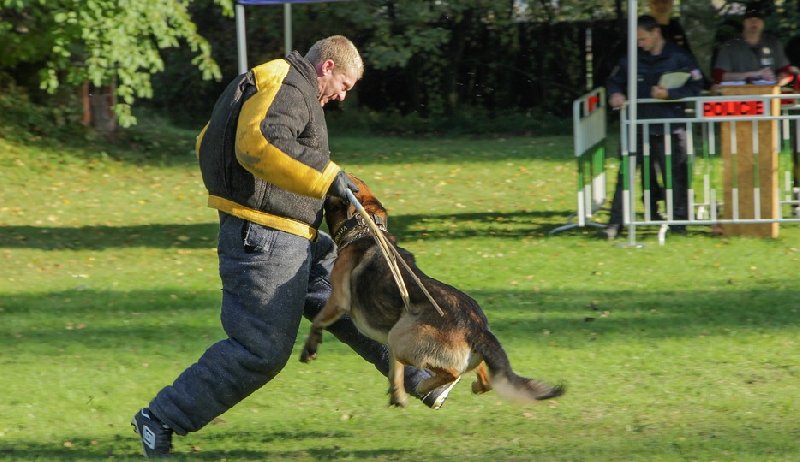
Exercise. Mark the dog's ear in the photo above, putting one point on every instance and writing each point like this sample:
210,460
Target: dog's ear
358,181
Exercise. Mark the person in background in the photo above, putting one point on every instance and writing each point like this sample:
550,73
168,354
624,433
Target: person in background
793,54
671,28
754,56
264,159
656,57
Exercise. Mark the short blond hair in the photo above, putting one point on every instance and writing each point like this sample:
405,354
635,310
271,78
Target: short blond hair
341,51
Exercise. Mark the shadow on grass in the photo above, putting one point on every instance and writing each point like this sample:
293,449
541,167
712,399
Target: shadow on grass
405,227
647,439
85,449
98,237
98,319
473,224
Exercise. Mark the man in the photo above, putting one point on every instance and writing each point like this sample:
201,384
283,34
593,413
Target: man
753,56
656,57
264,159
671,28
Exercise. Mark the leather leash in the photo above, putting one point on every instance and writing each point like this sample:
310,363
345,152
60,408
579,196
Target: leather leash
391,255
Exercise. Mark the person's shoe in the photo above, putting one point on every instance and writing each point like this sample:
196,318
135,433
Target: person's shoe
156,437
610,232
435,398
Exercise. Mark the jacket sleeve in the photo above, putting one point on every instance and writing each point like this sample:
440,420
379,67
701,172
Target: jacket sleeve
694,84
268,146
618,80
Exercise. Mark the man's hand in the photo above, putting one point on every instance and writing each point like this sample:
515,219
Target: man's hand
340,185
766,74
616,100
659,92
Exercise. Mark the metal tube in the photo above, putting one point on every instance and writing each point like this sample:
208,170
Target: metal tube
287,27
241,40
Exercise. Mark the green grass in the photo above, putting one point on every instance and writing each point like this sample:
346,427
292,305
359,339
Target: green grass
108,290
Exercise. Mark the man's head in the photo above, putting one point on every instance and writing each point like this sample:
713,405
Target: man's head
661,8
753,23
648,35
338,65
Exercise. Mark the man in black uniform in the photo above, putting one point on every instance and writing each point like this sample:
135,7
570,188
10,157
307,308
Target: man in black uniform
656,57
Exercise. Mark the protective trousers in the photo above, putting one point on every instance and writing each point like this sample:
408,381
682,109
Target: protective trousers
269,280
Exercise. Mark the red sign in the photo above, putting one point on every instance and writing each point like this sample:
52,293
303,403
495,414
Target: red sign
733,108
593,100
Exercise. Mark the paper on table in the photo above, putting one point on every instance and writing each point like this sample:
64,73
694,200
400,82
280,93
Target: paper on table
744,82
673,79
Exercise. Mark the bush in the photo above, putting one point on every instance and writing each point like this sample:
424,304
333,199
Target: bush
21,118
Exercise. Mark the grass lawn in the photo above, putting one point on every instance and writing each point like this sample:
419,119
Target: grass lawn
109,289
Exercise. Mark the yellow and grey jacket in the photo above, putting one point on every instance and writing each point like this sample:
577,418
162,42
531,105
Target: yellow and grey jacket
264,153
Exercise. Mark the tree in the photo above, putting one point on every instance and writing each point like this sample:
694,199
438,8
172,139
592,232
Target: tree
104,42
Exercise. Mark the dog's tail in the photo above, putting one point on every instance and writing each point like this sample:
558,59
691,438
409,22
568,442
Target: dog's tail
503,379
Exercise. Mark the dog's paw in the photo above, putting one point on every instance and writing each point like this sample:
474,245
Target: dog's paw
397,401
308,355
479,388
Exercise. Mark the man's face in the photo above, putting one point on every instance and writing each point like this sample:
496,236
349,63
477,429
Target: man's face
647,40
753,25
334,83
660,7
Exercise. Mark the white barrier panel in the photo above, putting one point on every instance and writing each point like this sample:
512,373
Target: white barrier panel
732,174
589,134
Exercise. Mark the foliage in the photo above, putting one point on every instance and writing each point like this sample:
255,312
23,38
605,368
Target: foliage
21,119
429,60
105,42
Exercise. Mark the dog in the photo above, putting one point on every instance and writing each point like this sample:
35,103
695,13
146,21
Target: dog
447,343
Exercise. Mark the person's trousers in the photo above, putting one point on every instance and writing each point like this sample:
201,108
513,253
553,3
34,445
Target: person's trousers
658,164
269,280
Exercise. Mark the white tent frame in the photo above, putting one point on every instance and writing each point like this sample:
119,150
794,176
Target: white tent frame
241,36
633,67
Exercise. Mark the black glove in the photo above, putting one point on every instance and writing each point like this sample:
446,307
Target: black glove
340,185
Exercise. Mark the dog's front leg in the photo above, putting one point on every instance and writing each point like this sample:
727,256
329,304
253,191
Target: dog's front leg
397,390
335,307
329,314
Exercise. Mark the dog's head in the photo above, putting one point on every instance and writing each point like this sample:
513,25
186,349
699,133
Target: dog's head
337,211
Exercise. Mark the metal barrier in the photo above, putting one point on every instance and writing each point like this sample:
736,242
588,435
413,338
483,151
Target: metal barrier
711,117
589,129
707,119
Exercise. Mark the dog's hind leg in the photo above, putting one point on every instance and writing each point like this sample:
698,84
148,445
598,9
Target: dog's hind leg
441,376
397,390
481,383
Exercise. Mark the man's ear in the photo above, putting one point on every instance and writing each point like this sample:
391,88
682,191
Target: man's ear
326,67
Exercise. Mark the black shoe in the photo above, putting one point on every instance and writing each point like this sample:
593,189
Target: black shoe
156,437
435,398
610,232
677,229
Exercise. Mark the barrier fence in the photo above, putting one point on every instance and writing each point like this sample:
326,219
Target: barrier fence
743,174
589,130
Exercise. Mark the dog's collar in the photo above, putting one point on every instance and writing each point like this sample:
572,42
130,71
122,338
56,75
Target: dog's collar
354,228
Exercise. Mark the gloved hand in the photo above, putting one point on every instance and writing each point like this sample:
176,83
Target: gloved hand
340,185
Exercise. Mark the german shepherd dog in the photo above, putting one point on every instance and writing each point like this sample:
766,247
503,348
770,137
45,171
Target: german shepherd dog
447,344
